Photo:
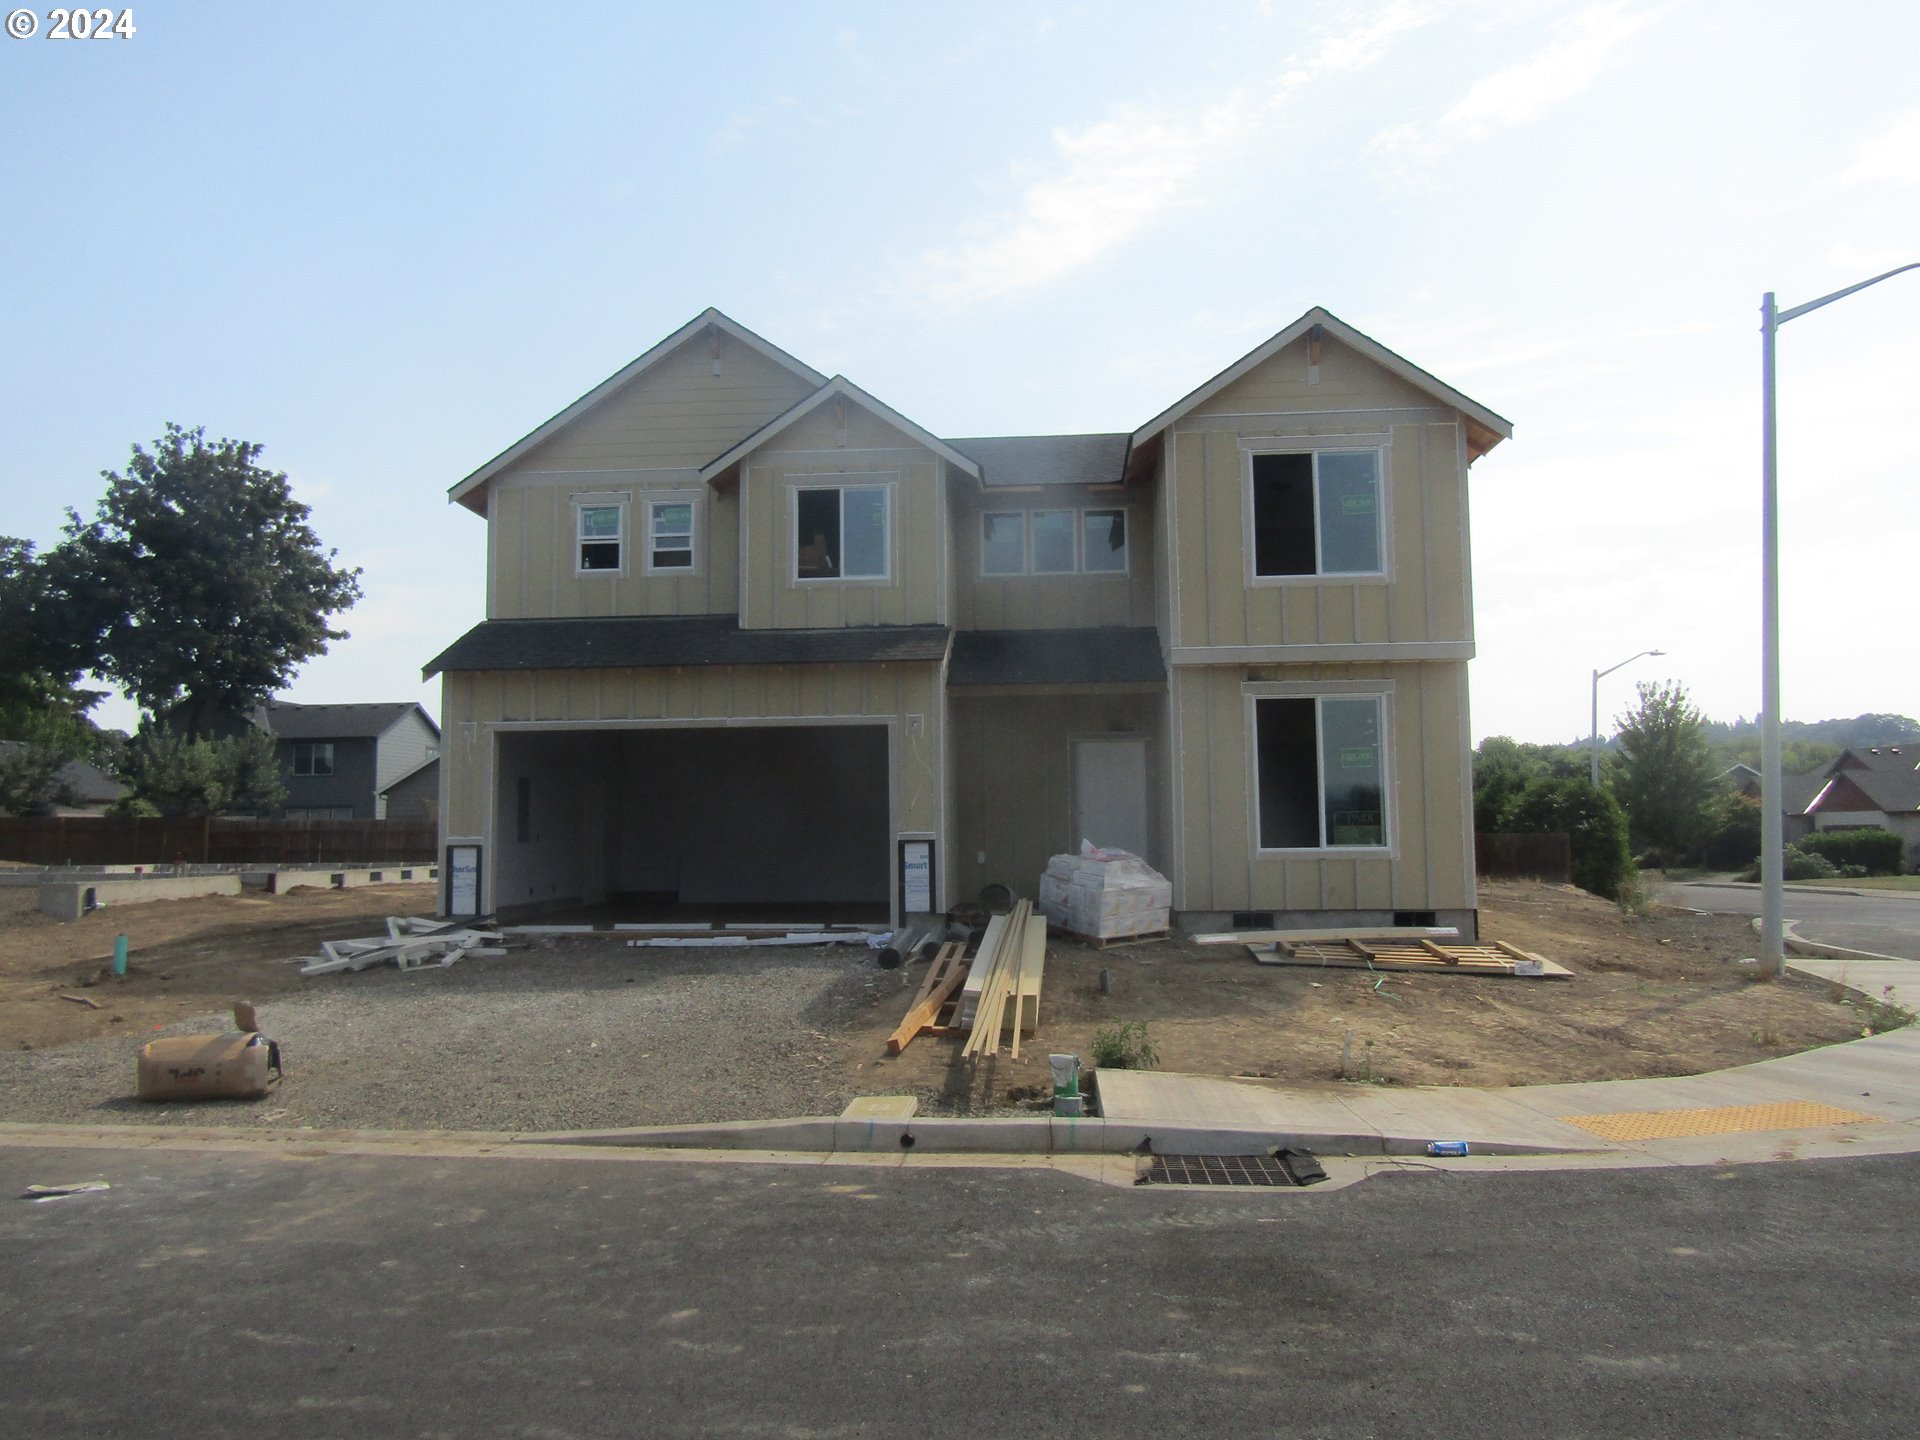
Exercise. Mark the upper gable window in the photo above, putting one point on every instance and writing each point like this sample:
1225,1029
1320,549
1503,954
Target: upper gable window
313,757
841,532
1053,552
672,533
1053,542
1104,534
1317,513
600,533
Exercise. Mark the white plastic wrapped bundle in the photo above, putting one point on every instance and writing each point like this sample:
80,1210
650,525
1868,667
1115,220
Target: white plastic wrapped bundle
1107,894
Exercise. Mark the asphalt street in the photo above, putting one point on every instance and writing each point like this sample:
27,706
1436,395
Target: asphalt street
1884,923
228,1294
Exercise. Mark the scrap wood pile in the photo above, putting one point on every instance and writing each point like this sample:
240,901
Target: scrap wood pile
998,990
1391,948
409,944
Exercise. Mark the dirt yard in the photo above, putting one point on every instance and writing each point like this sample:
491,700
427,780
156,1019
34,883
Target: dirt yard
591,1033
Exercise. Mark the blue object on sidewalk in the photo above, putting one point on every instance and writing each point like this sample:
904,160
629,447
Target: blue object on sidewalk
1447,1147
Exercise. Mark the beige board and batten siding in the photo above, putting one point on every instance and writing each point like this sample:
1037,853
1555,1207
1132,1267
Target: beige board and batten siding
1424,595
1013,796
909,697
842,443
1429,863
653,434
1048,602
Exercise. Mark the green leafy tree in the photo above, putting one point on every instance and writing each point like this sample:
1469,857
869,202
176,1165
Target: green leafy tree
253,770
198,586
1503,769
179,776
41,656
1665,779
29,779
1592,820
1735,840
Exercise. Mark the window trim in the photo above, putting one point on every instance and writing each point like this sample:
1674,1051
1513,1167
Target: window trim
1026,551
1315,445
1380,691
883,481
696,532
313,749
620,500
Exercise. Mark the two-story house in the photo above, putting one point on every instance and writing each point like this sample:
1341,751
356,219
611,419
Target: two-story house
753,638
338,762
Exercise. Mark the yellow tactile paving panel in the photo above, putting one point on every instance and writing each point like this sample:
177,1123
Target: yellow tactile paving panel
1720,1120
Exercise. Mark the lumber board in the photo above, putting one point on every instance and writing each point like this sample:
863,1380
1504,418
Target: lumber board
921,1014
1310,937
1408,960
982,966
990,1012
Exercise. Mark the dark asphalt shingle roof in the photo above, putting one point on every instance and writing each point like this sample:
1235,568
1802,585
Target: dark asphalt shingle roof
646,642
1056,657
86,782
1895,791
1047,459
290,721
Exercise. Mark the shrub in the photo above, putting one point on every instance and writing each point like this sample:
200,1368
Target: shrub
1879,851
1735,840
1798,864
1594,822
1124,1047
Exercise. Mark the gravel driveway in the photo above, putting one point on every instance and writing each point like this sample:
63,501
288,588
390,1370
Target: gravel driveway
570,1035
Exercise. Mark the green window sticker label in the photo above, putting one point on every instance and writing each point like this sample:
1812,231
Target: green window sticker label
1356,757
1361,504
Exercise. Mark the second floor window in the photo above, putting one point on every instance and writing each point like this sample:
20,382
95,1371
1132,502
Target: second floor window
670,534
313,757
598,530
841,532
1063,542
1317,514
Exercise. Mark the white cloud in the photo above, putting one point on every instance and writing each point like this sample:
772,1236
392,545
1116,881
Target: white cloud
1112,179
1523,92
1892,156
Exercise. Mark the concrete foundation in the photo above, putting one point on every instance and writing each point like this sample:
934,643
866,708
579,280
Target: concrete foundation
70,899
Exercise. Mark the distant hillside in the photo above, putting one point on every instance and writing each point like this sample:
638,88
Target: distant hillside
1860,730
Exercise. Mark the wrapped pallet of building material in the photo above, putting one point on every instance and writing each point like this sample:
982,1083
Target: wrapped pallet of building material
1105,894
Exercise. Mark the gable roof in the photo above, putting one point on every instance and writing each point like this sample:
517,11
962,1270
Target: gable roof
1904,757
1897,792
289,721
1492,427
1022,461
838,386
708,319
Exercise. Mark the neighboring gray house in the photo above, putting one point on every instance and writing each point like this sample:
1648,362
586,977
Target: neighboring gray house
84,788
338,761
415,795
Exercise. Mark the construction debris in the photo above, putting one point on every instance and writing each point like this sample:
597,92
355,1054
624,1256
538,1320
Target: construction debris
1105,894
1303,937
409,944
1352,952
60,1192
944,976
732,939
1008,967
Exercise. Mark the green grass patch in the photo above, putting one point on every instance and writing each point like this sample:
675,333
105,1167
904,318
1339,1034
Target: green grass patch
1908,883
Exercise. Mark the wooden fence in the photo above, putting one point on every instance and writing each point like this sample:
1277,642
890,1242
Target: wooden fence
1524,857
86,840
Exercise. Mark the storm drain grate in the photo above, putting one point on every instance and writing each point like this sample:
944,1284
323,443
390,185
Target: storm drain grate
1284,1169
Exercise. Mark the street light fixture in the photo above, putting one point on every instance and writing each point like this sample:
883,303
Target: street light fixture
1772,817
1593,743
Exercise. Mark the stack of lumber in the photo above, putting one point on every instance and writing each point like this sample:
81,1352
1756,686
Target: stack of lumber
1351,952
1006,974
409,944
944,977
709,939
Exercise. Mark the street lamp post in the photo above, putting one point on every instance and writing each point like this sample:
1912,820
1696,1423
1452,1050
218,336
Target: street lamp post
1593,743
1772,816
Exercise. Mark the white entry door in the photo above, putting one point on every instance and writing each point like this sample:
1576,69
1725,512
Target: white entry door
1110,794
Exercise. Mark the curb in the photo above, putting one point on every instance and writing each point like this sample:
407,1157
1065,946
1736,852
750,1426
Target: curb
1821,950
1020,1136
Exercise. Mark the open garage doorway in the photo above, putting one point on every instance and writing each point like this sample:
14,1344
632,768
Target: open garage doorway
736,823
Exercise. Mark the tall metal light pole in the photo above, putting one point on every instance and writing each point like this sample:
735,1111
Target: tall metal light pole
1772,817
1593,743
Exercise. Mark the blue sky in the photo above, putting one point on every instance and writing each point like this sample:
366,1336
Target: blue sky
387,240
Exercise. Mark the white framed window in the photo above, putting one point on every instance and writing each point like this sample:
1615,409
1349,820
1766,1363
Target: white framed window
1003,542
1317,512
599,534
320,812
673,532
313,757
842,532
1320,772
1104,541
1053,543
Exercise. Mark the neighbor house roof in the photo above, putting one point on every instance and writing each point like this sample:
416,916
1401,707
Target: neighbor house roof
837,388
646,642
1897,792
1116,656
708,319
1019,461
290,721
1485,428
1878,757
82,779
431,763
